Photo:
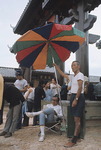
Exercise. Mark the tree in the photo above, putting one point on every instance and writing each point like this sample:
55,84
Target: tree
98,45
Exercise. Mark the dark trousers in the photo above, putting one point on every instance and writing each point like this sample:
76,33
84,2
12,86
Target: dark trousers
19,122
30,106
36,118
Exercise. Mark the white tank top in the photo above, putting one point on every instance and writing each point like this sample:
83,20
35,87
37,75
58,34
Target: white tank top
31,95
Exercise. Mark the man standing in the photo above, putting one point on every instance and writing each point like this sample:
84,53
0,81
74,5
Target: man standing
77,101
98,91
39,95
21,84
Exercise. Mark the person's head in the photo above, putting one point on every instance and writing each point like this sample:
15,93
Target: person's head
86,83
100,79
55,100
46,84
42,83
53,80
30,84
75,66
18,74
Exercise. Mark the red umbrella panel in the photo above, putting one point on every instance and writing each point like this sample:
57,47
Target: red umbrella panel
36,47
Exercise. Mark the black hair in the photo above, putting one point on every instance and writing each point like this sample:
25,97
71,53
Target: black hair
31,84
100,79
41,82
56,96
54,78
46,82
78,63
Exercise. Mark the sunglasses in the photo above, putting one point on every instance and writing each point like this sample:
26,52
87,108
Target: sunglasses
54,100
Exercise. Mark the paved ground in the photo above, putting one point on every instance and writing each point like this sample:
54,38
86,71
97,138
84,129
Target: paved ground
27,139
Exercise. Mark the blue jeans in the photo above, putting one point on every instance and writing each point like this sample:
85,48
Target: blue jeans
24,108
50,116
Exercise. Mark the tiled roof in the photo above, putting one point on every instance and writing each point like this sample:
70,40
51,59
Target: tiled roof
47,69
94,78
10,72
7,72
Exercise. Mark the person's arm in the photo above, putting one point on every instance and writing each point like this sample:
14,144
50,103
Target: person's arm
58,113
23,90
51,95
86,88
74,103
28,92
68,88
43,94
60,72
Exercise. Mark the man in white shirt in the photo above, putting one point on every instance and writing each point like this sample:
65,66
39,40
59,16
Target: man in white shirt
49,114
20,84
77,101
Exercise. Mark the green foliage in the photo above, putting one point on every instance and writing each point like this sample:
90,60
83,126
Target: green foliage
98,45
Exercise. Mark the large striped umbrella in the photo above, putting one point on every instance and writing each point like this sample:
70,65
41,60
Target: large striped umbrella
37,47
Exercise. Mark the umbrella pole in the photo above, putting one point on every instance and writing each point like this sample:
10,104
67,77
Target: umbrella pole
58,89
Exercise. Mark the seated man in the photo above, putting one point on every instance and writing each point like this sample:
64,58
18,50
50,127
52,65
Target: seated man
51,111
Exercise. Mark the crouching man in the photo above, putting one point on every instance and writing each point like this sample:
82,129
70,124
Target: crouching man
13,96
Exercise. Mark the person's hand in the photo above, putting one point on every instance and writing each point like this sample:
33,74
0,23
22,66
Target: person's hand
55,112
74,103
54,64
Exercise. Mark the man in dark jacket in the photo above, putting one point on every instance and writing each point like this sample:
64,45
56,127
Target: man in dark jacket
39,95
13,96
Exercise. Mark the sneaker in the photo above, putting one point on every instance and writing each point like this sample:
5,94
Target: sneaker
8,135
3,133
28,114
42,137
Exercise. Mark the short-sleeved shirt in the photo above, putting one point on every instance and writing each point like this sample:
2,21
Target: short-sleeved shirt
74,83
54,88
57,108
20,84
48,95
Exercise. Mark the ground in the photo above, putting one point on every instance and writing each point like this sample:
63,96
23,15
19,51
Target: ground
27,139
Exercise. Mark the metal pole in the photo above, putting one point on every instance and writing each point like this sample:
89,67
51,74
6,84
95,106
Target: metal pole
58,87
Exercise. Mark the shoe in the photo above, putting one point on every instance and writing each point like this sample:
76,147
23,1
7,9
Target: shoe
42,137
3,133
28,114
69,144
8,135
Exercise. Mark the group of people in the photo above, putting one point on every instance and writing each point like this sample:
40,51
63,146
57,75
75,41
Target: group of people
14,95
91,91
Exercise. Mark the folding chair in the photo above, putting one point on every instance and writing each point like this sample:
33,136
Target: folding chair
54,126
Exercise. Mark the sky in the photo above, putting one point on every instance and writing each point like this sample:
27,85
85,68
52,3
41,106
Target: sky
10,13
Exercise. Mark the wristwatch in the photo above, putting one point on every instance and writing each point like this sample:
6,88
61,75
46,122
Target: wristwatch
76,98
